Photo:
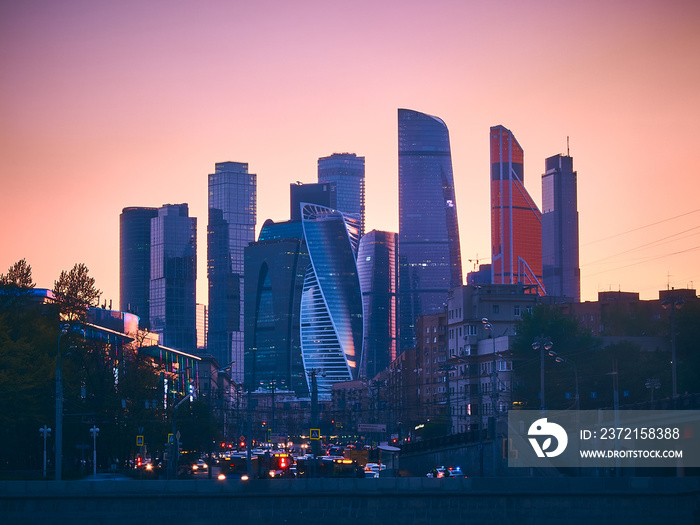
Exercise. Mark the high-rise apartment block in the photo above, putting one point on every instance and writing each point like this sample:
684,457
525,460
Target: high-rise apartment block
377,264
135,262
347,170
560,244
516,221
429,250
232,213
174,277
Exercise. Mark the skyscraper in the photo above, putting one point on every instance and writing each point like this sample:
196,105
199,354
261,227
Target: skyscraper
430,261
323,194
516,222
560,247
347,170
135,262
275,268
331,303
377,265
174,277
232,212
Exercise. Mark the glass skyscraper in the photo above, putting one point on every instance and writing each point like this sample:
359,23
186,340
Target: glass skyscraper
232,213
516,222
377,265
275,268
331,303
347,170
560,245
323,194
430,261
135,262
174,277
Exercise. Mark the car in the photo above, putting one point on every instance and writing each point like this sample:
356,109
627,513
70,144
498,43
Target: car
369,474
375,467
200,466
445,472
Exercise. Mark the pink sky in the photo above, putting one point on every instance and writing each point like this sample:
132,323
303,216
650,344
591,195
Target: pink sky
107,105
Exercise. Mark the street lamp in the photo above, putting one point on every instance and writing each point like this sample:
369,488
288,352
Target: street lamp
674,303
494,392
652,384
560,359
44,431
94,431
542,344
59,404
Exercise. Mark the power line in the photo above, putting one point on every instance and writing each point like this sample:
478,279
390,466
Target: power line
646,261
668,237
642,227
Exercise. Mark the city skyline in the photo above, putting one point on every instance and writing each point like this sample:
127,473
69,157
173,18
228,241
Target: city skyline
99,116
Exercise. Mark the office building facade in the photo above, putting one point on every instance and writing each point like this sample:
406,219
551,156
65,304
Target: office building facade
516,221
377,264
232,216
429,249
347,170
135,262
560,241
174,277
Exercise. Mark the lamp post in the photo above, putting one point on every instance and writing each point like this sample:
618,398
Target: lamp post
44,431
542,344
560,359
494,392
652,384
59,404
674,303
94,431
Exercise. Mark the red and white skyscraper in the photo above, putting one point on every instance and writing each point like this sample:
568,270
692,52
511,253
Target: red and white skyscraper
516,221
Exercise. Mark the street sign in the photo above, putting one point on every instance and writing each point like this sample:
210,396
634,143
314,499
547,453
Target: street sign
171,439
371,427
139,441
315,433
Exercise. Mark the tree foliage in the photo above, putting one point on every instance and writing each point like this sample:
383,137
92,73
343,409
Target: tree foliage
18,275
75,292
569,341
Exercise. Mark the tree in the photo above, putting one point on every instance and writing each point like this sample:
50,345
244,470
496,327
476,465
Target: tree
75,292
570,341
19,275
16,285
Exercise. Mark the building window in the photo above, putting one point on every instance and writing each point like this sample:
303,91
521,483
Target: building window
496,309
471,329
516,310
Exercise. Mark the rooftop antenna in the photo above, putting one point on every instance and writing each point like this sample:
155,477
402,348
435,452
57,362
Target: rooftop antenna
567,146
